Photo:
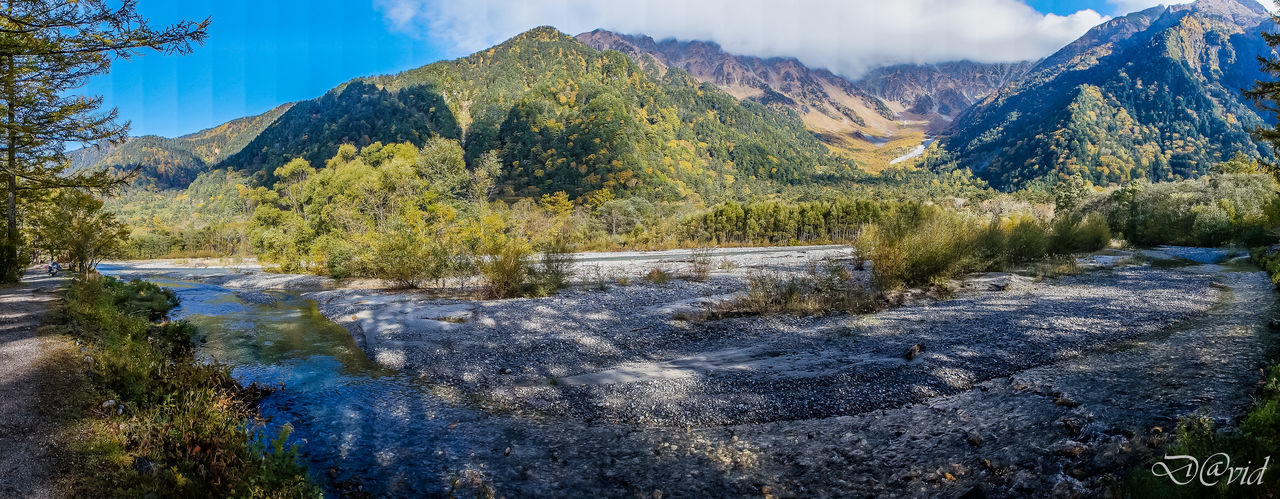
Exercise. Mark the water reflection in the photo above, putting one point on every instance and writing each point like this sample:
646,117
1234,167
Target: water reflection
355,419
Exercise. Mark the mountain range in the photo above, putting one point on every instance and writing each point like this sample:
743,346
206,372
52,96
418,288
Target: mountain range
1154,94
874,107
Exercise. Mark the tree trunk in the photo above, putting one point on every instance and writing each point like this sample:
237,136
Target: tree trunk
10,267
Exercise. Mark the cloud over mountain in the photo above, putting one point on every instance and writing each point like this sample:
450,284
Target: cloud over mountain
846,36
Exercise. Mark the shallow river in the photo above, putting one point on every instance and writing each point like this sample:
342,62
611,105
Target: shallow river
352,417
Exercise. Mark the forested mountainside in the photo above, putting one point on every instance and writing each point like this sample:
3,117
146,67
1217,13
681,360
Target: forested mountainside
565,116
175,163
877,106
1156,94
560,115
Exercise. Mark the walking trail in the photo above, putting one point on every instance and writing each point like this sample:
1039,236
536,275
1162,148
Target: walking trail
33,365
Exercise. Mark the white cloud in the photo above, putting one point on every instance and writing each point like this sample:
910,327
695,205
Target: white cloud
847,36
1123,7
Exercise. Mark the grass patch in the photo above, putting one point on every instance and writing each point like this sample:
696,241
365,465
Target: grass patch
1053,268
824,290
164,423
658,276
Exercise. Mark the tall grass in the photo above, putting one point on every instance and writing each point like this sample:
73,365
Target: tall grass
825,289
931,247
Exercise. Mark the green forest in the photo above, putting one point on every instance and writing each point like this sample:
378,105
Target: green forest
1165,104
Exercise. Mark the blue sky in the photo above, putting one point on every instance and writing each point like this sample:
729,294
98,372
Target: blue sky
1066,7
264,53
259,55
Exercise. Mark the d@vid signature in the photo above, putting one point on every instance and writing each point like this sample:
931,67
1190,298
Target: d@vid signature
1184,470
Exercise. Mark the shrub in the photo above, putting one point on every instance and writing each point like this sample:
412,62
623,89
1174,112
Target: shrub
658,276
1269,262
937,248
553,269
1073,233
1027,239
991,245
340,259
407,260
505,267
700,264
1093,234
823,290
140,298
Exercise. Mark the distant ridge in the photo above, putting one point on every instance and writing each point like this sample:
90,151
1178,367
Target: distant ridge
881,104
1156,94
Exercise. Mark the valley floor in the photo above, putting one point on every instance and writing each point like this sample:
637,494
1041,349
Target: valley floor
1023,387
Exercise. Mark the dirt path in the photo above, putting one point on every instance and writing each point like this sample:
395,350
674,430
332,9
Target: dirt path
28,367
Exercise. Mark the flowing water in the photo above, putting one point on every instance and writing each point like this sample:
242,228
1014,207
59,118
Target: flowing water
351,417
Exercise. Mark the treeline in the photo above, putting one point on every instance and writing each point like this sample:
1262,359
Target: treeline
413,216
208,219
1236,205
777,222
423,215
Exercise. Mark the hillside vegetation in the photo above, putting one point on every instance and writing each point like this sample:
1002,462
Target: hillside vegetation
174,163
1154,95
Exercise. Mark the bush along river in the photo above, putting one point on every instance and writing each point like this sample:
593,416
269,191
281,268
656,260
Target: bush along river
1023,387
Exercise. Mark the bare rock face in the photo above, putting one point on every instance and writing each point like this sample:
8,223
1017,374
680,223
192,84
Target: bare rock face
877,104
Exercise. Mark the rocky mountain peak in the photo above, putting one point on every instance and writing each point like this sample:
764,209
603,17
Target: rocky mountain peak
1245,13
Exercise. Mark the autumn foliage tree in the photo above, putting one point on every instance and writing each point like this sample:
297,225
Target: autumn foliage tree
79,230
1267,95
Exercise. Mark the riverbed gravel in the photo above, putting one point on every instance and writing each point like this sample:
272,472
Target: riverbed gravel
623,356
1021,386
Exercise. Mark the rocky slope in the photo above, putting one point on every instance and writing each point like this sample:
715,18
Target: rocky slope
885,103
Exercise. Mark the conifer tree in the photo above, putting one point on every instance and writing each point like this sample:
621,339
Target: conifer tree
1267,96
49,48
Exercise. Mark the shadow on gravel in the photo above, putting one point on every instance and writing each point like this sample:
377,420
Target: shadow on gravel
751,370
